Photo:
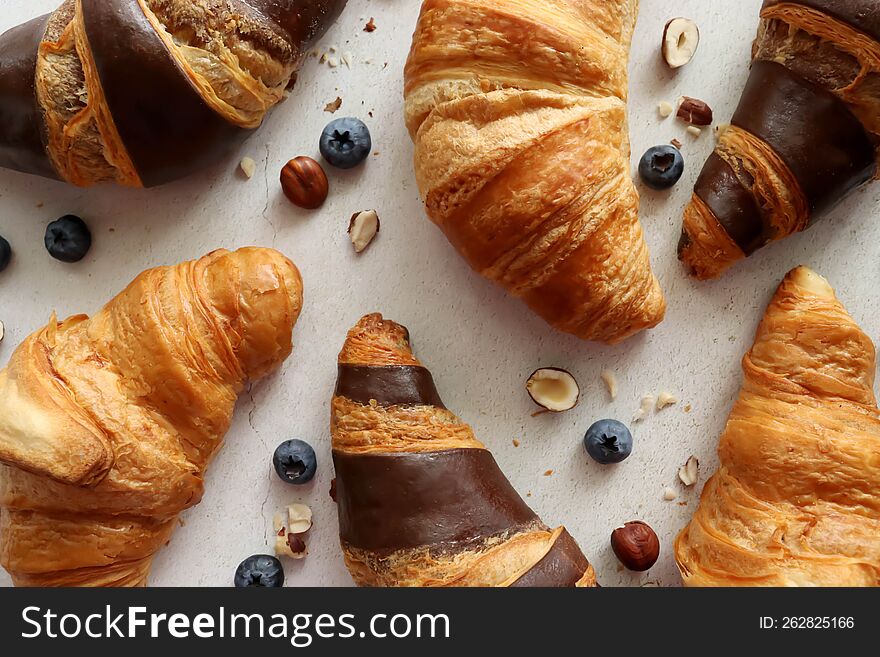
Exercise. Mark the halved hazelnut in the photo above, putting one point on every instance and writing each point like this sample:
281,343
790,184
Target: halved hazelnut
363,228
681,36
553,389
299,518
689,473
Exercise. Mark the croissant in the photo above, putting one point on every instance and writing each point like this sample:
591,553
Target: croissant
806,133
142,92
421,501
796,501
518,114
107,424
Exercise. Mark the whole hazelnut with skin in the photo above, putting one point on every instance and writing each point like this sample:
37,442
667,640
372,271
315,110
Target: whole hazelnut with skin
304,183
636,545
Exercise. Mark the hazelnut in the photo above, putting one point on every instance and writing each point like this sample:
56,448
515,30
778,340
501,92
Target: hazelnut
681,36
696,112
553,389
305,183
363,228
248,167
299,518
636,545
689,473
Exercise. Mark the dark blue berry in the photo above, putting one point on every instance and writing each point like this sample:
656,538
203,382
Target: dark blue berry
5,254
295,461
346,142
68,239
260,570
608,441
661,167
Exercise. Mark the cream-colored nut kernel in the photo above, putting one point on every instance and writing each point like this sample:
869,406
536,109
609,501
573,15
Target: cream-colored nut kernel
299,519
554,389
681,37
665,109
2,331
689,473
248,167
610,382
362,228
645,406
665,399
694,131
669,494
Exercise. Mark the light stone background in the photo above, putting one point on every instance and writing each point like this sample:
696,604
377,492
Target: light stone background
480,344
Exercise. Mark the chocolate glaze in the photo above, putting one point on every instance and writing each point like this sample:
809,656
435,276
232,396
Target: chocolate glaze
168,130
304,21
864,15
811,129
22,132
562,567
389,385
732,204
389,502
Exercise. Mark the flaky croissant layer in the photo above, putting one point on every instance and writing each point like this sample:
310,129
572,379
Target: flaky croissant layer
796,501
108,423
518,114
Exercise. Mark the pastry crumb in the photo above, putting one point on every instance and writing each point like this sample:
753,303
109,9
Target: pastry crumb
334,106
688,408
610,382
371,25
515,442
549,473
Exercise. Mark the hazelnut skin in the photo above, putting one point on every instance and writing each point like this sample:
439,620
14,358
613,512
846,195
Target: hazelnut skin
304,183
636,545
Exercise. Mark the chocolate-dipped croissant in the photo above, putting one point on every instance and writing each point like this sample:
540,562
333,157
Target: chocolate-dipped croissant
142,92
108,424
421,501
518,114
796,501
806,133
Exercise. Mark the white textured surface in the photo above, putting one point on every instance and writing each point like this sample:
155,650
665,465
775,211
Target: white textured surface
480,344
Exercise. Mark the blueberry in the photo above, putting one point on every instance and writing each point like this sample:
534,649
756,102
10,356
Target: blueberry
346,142
260,570
661,167
295,461
608,441
5,253
68,239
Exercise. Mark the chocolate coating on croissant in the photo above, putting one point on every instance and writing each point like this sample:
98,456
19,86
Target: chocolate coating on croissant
388,385
22,140
562,567
863,15
389,502
811,129
732,204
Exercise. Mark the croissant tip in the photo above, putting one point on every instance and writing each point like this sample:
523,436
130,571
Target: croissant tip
375,340
809,280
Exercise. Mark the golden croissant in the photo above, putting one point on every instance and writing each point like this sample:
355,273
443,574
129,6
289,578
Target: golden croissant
142,92
806,133
421,501
108,424
796,501
518,114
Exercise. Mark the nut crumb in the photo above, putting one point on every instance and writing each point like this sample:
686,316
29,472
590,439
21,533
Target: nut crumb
676,143
669,494
334,106
610,382
549,473
666,399
646,404
248,167
299,518
688,408
371,25
694,131
689,473
332,62
515,442
2,331
347,59
362,228
665,109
